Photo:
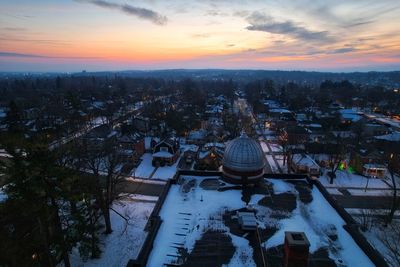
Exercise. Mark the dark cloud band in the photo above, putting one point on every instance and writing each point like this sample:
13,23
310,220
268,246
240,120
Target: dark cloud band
261,22
142,13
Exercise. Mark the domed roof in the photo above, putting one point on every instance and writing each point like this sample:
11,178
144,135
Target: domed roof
243,154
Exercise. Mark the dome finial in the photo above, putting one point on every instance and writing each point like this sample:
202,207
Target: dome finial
243,134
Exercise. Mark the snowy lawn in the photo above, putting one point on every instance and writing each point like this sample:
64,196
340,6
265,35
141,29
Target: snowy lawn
346,179
370,192
166,172
126,240
145,168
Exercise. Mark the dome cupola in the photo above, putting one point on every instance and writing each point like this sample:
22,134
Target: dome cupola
243,160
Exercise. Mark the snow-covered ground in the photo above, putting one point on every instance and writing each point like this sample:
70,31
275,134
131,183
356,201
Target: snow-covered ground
3,195
145,169
166,172
272,163
275,147
379,237
347,179
370,192
264,147
126,240
279,159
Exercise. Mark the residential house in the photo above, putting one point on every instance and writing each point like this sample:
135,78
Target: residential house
302,163
165,152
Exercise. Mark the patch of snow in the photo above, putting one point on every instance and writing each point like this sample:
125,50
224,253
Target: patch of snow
334,191
3,195
166,172
255,198
163,154
244,252
347,179
275,147
187,208
145,181
145,168
138,197
370,192
308,219
272,163
5,154
279,159
264,147
280,186
126,240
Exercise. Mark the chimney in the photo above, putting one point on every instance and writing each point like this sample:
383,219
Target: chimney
296,250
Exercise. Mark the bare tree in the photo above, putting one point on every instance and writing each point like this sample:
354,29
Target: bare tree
284,143
112,164
93,158
391,239
393,161
336,157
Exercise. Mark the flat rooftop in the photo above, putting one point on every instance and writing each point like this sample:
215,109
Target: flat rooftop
200,225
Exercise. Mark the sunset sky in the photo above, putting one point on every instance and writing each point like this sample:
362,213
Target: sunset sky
75,35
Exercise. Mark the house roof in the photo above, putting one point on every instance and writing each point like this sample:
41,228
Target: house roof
301,208
162,154
392,137
304,159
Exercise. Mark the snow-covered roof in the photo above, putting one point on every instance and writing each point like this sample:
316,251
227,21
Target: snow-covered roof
3,195
305,160
3,113
350,114
394,137
5,154
203,210
389,121
374,166
192,148
196,135
219,145
163,154
279,110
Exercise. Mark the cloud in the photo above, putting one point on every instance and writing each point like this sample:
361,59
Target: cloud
14,29
356,24
215,13
11,54
12,38
261,22
138,12
344,50
201,35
